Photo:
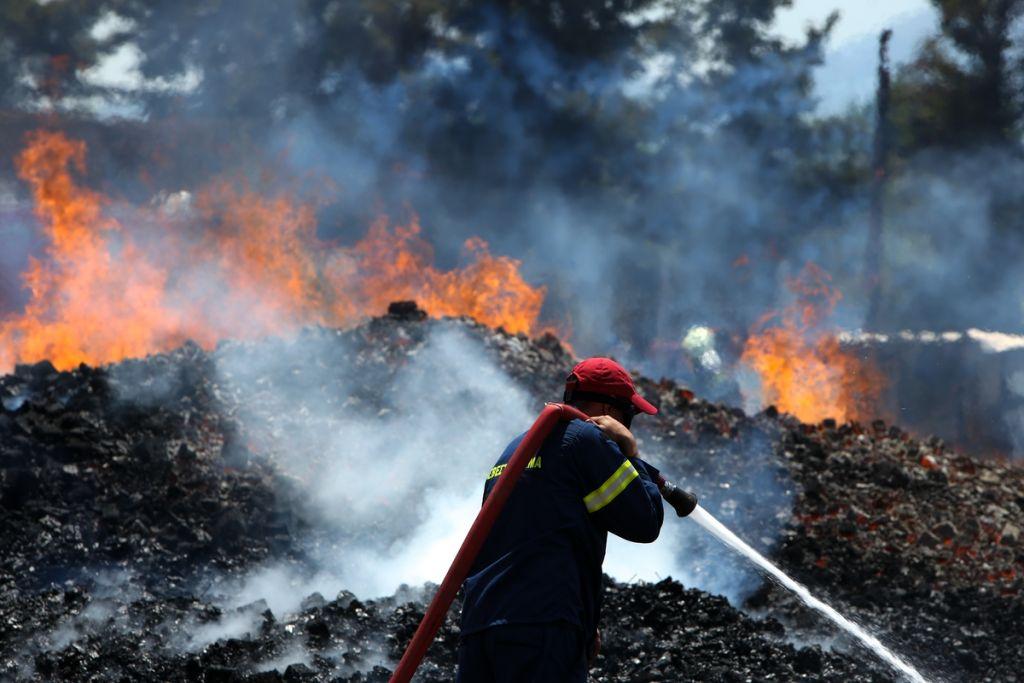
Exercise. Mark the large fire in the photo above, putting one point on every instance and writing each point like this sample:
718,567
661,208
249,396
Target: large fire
802,368
229,263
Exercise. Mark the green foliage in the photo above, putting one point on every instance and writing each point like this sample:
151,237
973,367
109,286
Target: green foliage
963,89
42,46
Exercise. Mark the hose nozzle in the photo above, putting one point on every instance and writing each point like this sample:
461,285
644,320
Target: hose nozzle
683,502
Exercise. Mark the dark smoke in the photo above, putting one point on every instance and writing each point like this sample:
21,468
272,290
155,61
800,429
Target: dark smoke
618,151
658,166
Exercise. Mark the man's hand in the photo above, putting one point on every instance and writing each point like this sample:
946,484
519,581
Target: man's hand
617,432
595,648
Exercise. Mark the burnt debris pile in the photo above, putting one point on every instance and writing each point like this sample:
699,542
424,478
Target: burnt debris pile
907,536
139,500
102,467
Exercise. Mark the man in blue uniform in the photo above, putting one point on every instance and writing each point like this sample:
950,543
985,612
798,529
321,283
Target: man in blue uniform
532,602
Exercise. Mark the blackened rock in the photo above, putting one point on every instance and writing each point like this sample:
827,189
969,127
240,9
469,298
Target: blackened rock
109,513
890,475
150,449
344,599
219,674
808,660
945,531
45,664
793,554
968,660
816,450
255,607
298,672
272,676
25,424
72,451
813,489
15,405
230,528
318,629
185,453
19,485
312,601
708,429
406,310
42,370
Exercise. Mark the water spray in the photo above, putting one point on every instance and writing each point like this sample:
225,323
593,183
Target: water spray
719,531
685,505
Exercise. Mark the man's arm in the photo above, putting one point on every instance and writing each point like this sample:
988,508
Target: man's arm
620,492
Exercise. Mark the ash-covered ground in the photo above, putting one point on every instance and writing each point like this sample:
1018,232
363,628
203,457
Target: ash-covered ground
236,516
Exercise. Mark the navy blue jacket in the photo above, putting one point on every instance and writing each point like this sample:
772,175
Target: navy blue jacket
542,560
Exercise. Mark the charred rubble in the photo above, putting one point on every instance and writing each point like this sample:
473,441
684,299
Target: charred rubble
131,494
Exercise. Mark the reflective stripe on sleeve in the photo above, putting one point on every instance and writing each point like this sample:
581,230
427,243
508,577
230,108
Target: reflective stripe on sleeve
612,487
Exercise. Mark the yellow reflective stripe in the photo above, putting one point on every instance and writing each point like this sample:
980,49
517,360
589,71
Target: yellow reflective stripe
611,488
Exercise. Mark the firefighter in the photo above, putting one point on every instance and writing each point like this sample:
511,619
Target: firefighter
532,601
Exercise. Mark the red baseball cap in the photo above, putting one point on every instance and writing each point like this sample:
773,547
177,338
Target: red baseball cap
605,376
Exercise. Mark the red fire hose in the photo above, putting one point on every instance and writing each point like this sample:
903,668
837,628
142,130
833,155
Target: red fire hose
531,443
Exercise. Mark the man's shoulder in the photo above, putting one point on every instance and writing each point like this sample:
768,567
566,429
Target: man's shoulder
566,436
512,445
588,439
582,433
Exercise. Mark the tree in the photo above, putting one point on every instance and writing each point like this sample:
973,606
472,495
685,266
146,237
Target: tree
963,89
42,45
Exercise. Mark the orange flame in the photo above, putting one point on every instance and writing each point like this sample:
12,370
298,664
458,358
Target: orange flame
84,306
237,265
490,289
802,367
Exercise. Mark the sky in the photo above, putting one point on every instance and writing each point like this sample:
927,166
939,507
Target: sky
848,74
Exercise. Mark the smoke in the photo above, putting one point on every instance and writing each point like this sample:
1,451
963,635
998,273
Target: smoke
16,235
296,655
114,607
701,198
393,481
953,221
237,624
654,185
755,501
660,178
394,485
385,449
618,172
657,175
110,592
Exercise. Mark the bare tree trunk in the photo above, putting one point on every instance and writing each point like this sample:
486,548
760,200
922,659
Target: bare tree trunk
874,250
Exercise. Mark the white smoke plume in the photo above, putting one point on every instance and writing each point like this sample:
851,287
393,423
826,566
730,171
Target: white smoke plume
393,490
